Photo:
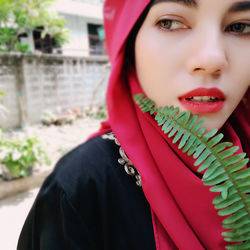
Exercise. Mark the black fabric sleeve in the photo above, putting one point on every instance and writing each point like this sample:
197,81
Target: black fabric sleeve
54,224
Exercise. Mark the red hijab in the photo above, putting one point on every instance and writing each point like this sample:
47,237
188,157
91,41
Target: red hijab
182,211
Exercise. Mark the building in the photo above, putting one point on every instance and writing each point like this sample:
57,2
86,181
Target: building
84,19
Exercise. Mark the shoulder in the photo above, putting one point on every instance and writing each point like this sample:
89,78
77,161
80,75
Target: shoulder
91,172
91,177
87,163
88,158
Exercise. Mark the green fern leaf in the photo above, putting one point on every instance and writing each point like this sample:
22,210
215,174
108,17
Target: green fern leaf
216,180
194,147
210,134
243,246
191,122
239,223
211,163
242,174
185,114
215,140
189,143
234,159
241,234
225,170
216,173
173,131
179,135
227,202
228,152
203,157
235,217
184,139
219,189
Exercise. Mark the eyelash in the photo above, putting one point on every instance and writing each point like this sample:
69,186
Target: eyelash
170,22
240,25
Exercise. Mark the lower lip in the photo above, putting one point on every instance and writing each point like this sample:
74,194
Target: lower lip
202,107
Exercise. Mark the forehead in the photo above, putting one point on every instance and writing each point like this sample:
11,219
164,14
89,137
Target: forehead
235,5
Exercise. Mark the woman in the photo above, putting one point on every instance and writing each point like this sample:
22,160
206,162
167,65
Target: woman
186,53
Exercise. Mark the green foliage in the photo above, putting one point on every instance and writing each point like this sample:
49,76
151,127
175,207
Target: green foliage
19,156
2,94
3,110
23,16
100,113
226,171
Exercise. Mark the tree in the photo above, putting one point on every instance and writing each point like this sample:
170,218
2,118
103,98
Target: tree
20,17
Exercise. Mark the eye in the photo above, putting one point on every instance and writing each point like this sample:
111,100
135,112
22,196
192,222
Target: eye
170,25
239,28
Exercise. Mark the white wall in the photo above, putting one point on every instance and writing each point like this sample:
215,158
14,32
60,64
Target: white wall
91,1
78,13
78,45
28,40
79,8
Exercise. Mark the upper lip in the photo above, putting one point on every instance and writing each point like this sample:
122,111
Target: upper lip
213,92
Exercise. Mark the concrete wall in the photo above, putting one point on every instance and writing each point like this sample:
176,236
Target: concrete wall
34,84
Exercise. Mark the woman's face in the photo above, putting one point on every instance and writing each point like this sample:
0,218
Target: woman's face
196,55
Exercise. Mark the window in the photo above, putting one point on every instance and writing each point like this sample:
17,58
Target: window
46,44
96,41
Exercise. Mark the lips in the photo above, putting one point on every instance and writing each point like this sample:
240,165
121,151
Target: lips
203,100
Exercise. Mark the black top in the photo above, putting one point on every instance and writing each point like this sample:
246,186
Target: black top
89,203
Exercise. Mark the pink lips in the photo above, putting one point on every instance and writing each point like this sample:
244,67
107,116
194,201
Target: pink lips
203,100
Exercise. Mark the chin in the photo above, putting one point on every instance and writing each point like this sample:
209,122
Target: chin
212,124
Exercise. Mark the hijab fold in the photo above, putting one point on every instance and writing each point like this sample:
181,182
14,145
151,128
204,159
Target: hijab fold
182,212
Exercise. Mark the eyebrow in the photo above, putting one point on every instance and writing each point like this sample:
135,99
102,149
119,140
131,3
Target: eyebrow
189,3
240,6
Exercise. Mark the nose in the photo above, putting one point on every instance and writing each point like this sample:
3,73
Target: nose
208,55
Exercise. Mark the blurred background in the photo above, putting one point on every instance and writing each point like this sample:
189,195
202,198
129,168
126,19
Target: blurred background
53,76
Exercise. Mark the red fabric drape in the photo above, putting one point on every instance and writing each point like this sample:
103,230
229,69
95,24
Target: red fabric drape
182,211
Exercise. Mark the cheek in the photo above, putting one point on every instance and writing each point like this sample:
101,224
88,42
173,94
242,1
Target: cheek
154,60
146,53
239,58
242,79
147,61
239,71
153,47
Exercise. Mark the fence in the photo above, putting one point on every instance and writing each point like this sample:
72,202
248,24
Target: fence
35,83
